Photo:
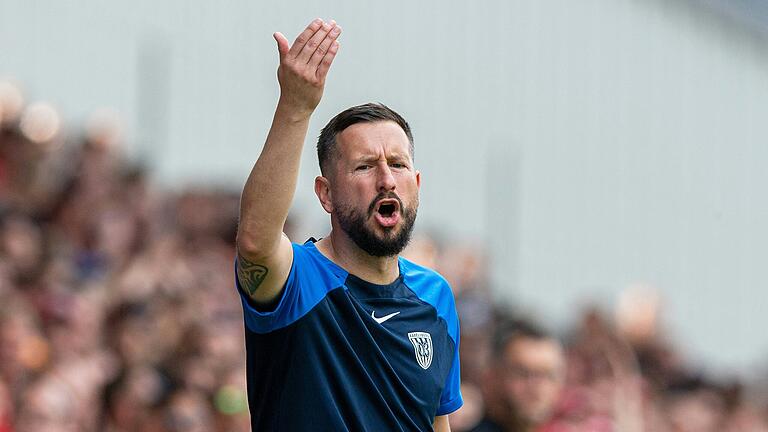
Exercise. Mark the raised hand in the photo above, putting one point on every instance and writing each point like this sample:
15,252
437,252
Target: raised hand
305,64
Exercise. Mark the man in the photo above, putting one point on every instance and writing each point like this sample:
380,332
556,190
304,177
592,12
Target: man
341,333
525,381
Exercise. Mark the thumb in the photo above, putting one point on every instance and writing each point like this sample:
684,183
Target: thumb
282,44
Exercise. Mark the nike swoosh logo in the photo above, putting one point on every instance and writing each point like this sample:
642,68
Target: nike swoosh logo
384,318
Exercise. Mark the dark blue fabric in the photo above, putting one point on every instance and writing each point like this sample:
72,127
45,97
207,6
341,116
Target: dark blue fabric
320,361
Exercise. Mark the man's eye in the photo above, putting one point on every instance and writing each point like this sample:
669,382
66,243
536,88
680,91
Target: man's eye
397,165
362,167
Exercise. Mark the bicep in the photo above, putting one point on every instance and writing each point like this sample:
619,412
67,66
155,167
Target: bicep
262,277
441,424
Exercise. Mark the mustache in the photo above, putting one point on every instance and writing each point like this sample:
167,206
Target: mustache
385,195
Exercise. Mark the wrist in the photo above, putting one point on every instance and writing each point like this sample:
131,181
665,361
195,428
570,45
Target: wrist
292,110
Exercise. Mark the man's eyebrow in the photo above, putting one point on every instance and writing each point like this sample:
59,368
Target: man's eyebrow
366,158
399,156
375,158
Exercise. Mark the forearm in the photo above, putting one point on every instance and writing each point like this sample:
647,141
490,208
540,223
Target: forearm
441,424
269,190
271,185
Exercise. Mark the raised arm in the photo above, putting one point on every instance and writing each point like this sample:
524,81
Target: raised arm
264,252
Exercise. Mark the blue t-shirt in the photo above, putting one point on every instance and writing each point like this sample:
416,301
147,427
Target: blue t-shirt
338,353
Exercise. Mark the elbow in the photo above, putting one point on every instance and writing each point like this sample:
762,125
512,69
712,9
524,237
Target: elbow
248,245
253,246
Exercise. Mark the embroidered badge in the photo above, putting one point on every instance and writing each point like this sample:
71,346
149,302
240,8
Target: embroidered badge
422,346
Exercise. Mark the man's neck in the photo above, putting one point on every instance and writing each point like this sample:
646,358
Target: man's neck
340,249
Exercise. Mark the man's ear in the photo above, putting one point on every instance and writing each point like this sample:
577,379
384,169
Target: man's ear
418,179
323,192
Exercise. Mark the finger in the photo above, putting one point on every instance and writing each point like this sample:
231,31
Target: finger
325,64
313,43
324,46
282,44
305,36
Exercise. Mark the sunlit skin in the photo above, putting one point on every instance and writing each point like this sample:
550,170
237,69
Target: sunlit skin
373,158
533,373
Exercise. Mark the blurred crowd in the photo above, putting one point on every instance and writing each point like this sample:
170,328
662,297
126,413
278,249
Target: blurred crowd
117,309
118,313
614,371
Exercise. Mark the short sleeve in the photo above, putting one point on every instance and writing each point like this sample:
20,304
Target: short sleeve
433,289
450,399
303,289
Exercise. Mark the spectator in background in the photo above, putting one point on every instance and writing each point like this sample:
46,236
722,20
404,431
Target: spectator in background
525,380
695,406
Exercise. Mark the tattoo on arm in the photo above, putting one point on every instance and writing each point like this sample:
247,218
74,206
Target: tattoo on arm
251,275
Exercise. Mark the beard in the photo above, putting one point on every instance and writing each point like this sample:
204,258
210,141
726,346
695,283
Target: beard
394,240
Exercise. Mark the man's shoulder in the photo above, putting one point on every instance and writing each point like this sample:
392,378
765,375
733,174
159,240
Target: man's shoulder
420,275
429,285
310,267
307,252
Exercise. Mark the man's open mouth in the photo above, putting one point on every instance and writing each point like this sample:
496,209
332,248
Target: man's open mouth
387,212
387,207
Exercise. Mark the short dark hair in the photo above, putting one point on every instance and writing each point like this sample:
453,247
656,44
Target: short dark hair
366,113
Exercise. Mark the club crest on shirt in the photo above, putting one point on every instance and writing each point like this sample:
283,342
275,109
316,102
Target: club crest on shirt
422,346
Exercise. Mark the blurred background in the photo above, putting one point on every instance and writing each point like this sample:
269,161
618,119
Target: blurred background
591,169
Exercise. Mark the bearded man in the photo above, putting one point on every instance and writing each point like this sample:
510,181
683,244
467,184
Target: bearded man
342,334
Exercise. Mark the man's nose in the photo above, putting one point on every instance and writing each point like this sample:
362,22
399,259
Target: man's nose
386,181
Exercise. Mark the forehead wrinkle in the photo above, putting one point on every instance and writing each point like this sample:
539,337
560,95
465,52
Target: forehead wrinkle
377,149
378,157
377,154
373,140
